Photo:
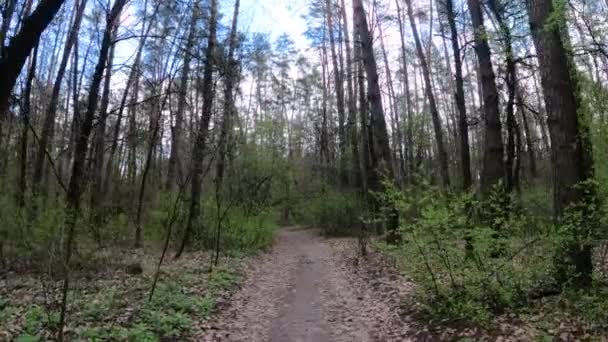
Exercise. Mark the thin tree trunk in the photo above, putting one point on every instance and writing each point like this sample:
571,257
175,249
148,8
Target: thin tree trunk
529,139
441,150
463,127
7,15
398,134
409,143
511,80
226,126
352,102
77,180
25,115
131,80
339,87
198,153
175,171
99,148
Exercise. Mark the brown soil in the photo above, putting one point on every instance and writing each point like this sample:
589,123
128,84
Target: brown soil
305,290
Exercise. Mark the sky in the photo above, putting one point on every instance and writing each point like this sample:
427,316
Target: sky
275,17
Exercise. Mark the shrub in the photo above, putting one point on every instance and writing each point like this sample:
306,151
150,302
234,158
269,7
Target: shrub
335,213
239,232
469,268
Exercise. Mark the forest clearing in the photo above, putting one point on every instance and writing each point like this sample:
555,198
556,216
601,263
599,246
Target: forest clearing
318,170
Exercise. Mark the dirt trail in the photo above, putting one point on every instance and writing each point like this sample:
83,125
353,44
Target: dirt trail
303,291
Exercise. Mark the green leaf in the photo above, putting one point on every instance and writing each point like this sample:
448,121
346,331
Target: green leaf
27,338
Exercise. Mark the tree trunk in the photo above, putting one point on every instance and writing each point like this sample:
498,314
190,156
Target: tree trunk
352,103
339,87
198,153
511,80
175,171
398,134
25,116
77,180
529,139
381,156
365,166
463,127
441,151
571,150
226,126
20,47
493,166
7,15
48,130
131,80
409,141
99,148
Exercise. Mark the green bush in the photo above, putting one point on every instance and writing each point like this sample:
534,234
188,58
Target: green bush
239,232
475,259
466,267
335,213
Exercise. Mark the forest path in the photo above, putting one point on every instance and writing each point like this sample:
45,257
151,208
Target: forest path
302,291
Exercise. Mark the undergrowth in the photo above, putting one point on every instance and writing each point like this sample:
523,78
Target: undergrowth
118,309
335,213
470,269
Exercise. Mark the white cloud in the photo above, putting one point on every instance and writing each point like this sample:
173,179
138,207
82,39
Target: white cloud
276,17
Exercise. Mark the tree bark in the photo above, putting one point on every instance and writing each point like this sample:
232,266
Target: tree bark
511,79
77,180
175,170
571,150
226,126
409,140
493,165
339,87
46,137
20,47
25,116
398,134
381,161
441,150
463,127
198,153
99,148
352,102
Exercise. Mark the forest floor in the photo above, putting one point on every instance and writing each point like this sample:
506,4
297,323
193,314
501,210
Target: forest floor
312,289
306,289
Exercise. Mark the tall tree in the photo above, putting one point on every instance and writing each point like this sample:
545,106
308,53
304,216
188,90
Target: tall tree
409,140
463,126
229,111
352,101
99,145
175,171
499,11
493,164
571,150
21,45
339,87
200,144
77,179
50,116
381,160
430,96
